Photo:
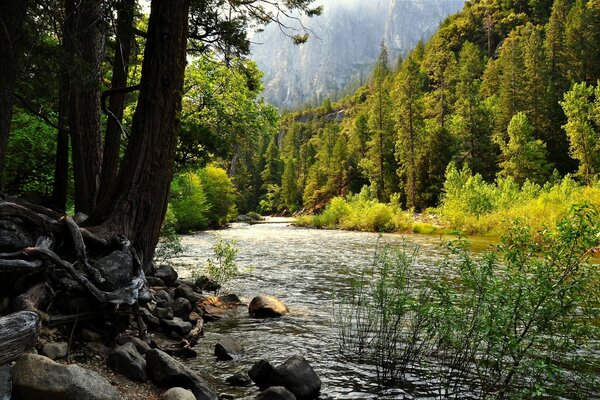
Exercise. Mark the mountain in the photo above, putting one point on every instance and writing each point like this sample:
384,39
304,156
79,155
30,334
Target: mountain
344,43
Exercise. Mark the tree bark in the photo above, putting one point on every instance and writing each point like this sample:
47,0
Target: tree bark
61,166
12,18
18,333
137,202
112,141
83,45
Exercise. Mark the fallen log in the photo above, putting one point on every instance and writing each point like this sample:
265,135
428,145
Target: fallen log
18,333
37,297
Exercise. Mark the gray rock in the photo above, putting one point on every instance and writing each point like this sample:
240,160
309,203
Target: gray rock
177,325
90,336
276,393
5,382
297,375
55,351
150,319
238,380
163,313
38,377
116,268
141,346
165,370
163,299
182,308
186,291
228,349
126,360
154,281
178,393
13,238
267,307
261,373
167,274
230,300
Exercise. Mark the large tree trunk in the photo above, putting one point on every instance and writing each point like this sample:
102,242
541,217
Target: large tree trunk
83,44
12,17
61,167
138,201
112,142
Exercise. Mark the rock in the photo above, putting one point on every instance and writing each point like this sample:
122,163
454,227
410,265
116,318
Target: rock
298,377
117,269
167,274
276,393
38,377
267,307
182,308
149,318
238,380
178,393
163,299
212,313
13,238
126,360
207,284
141,346
228,349
194,317
186,291
196,332
163,313
90,336
99,348
154,281
55,351
229,300
165,370
177,325
261,373
5,382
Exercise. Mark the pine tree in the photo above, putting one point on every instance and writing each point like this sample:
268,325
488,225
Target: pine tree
523,157
471,122
410,126
582,32
289,186
582,129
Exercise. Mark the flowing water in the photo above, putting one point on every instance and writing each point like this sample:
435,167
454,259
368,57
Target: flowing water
305,268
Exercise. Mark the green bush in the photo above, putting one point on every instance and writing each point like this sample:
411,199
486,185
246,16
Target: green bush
222,268
189,202
220,194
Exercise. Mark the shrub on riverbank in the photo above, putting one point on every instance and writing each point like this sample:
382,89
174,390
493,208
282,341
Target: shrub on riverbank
359,213
519,322
473,206
201,199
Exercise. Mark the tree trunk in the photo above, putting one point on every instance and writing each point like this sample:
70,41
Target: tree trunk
18,333
137,202
83,43
61,167
12,17
112,141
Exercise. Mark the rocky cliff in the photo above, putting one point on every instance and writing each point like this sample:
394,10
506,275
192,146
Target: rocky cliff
343,45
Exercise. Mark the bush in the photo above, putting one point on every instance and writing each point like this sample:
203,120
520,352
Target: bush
220,194
222,268
169,245
189,202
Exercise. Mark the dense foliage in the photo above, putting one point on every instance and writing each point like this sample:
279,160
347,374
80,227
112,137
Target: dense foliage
506,89
503,325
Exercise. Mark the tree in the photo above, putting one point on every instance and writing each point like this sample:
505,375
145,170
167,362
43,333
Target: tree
583,120
289,185
582,37
410,125
523,157
12,17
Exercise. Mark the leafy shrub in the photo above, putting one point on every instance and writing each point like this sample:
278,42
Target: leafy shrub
189,202
220,194
169,245
222,268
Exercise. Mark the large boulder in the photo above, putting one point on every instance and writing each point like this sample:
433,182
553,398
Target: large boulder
165,370
178,393
295,374
38,377
276,393
182,307
117,269
126,360
187,291
267,307
141,346
228,349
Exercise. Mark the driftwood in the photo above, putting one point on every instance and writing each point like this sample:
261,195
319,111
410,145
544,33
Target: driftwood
37,297
18,333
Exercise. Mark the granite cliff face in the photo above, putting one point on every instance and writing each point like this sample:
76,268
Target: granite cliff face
343,46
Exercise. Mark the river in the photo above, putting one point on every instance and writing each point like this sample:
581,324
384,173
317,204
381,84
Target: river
304,268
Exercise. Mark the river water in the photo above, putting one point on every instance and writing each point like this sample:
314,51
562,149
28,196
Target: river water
305,268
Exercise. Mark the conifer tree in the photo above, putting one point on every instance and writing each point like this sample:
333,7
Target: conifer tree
523,157
582,32
410,126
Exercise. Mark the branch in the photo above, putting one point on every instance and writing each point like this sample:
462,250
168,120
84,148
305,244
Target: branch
112,92
30,107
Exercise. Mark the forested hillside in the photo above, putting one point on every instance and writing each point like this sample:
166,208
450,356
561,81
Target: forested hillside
505,91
